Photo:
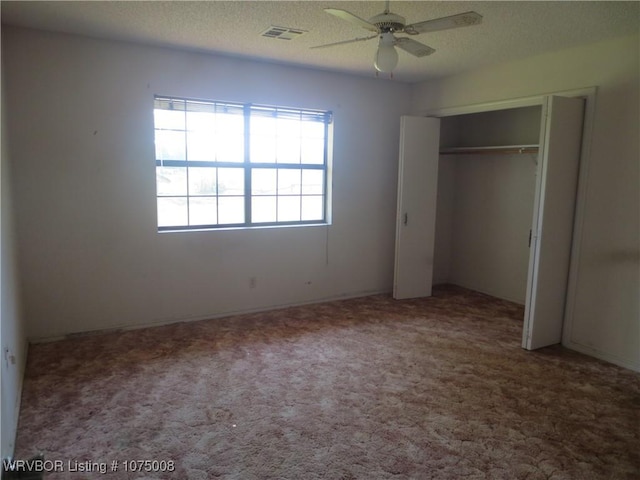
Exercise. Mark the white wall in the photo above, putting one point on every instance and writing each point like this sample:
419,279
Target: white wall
82,147
604,319
12,332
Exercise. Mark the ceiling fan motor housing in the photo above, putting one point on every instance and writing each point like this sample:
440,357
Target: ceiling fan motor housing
388,22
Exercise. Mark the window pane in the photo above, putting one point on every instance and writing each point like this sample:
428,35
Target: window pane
202,211
288,127
172,212
201,146
263,209
263,181
289,181
263,125
288,150
263,149
229,148
229,125
312,182
263,139
312,151
230,210
288,209
313,129
203,122
202,181
230,181
171,180
215,137
168,119
312,207
170,145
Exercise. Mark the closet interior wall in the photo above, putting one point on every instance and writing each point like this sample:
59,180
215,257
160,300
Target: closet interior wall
485,202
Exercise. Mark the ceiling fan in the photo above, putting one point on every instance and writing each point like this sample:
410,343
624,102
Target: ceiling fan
386,24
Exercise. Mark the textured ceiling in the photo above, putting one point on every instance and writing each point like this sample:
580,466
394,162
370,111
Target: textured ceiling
509,30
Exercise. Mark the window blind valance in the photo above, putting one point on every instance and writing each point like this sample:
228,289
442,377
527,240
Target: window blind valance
189,105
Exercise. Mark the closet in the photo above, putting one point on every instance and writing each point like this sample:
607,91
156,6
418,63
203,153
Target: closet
486,201
486,182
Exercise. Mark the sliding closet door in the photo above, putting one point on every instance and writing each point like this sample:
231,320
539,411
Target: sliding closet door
552,228
416,217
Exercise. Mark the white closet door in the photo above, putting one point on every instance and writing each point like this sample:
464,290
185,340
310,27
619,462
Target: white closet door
416,218
553,210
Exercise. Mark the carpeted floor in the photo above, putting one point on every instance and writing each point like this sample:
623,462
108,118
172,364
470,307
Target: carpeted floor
368,388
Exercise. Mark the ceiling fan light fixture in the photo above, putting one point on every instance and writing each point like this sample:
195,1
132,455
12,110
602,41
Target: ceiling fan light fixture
386,24
386,57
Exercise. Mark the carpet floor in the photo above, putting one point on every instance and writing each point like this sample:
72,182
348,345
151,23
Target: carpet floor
366,388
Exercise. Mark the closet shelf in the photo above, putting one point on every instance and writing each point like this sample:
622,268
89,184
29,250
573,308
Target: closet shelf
505,149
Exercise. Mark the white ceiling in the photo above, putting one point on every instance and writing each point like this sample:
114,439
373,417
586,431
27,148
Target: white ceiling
509,30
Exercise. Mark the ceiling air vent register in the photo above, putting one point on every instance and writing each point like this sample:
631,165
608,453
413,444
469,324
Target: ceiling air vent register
282,33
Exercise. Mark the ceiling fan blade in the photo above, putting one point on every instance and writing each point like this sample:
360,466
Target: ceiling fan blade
416,49
454,21
360,39
350,17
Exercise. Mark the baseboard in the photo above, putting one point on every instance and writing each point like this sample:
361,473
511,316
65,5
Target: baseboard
479,290
196,318
592,352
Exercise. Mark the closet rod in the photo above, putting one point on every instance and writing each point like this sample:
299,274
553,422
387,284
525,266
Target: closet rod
504,149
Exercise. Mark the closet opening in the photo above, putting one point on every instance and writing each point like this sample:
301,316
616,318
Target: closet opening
485,200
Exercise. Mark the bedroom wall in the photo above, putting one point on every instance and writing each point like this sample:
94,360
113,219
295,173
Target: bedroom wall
604,318
12,332
82,146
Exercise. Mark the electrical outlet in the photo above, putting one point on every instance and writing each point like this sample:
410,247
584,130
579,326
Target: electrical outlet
253,282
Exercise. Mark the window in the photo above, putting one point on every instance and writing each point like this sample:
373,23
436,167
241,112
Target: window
222,164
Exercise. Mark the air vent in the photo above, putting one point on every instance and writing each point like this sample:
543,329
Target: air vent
282,33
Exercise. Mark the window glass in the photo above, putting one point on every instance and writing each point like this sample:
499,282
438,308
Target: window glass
230,210
203,181
264,181
311,208
170,145
312,182
209,175
264,209
172,211
171,180
203,210
230,181
288,209
289,181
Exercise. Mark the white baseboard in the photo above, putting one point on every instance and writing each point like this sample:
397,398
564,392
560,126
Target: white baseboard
195,318
592,352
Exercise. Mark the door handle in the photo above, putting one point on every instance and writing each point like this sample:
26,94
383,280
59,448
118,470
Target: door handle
406,219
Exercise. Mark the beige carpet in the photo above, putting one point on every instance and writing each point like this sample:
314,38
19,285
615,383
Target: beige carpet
368,388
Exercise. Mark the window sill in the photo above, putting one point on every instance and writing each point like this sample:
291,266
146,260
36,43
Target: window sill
236,228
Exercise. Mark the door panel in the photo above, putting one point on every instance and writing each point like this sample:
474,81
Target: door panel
416,216
552,228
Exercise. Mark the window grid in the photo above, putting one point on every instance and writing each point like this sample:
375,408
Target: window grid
316,122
